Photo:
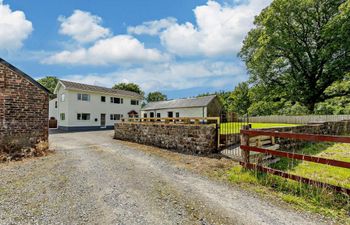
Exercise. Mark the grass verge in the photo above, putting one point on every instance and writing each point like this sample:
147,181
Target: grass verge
302,196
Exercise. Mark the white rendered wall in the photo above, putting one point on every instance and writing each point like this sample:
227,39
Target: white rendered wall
95,107
53,112
184,112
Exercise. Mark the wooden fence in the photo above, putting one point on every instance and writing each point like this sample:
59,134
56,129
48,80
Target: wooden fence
245,146
298,119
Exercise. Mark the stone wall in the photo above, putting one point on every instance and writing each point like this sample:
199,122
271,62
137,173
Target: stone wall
23,109
326,128
185,138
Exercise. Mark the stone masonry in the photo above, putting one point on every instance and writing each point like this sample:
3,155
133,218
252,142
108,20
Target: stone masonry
185,138
23,108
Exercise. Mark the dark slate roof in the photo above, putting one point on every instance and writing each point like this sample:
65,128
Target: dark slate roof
180,103
87,87
20,72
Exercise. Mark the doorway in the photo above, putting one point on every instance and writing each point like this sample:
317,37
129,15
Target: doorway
103,120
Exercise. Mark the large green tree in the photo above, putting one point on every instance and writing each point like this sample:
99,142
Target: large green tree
129,87
50,83
300,47
240,99
156,96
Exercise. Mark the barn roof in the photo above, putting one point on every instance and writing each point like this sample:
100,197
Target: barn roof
20,72
180,103
86,87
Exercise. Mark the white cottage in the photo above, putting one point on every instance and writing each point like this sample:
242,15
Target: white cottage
206,106
89,107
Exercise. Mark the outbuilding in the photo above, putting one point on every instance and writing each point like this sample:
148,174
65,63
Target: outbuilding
24,108
206,106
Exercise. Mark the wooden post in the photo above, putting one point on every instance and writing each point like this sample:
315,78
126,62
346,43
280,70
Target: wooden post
245,141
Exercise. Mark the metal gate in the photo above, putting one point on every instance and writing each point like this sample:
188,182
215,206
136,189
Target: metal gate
229,133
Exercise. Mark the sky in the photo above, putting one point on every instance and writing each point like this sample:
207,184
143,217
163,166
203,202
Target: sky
182,48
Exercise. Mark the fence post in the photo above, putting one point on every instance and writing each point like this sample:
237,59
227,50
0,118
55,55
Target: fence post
245,141
218,133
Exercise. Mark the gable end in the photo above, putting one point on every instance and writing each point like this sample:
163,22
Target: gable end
26,76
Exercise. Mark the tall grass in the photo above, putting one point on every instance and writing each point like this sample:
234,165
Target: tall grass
321,200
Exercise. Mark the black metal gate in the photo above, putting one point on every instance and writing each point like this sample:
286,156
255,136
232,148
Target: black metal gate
229,133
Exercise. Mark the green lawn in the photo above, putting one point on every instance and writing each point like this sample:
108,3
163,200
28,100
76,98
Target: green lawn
235,127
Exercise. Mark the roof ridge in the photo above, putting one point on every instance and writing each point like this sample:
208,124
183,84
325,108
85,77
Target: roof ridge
132,93
180,103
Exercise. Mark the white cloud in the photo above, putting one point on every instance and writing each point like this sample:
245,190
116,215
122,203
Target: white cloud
171,76
219,29
14,28
120,49
83,27
152,27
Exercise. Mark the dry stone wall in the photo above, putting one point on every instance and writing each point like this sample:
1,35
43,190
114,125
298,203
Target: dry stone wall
185,138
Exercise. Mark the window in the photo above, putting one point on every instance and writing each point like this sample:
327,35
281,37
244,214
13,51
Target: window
116,100
158,115
145,115
55,104
134,102
177,114
63,96
84,97
63,116
103,98
116,116
170,114
83,116
151,114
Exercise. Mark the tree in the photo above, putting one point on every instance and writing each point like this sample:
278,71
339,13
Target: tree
50,83
129,87
300,47
156,96
240,99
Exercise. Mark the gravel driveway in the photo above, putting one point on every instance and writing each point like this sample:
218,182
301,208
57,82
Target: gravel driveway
93,179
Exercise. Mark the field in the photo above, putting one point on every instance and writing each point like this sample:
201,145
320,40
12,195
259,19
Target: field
328,174
326,202
235,127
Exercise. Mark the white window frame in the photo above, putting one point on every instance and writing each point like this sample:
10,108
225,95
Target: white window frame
114,117
80,116
117,100
80,97
62,116
136,102
63,97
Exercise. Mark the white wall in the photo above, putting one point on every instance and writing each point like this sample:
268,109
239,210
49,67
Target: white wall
95,107
184,112
62,107
72,106
53,111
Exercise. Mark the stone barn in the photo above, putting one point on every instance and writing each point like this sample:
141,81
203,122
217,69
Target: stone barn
24,108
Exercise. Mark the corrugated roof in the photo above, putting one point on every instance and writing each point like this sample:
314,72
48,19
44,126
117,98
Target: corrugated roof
180,103
87,87
20,72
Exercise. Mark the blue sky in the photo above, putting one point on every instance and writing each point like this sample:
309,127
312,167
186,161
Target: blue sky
182,48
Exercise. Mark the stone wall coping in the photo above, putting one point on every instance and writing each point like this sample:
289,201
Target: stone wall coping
169,124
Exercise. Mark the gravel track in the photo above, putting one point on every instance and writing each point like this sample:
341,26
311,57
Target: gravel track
93,179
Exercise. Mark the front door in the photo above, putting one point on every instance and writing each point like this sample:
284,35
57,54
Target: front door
103,120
